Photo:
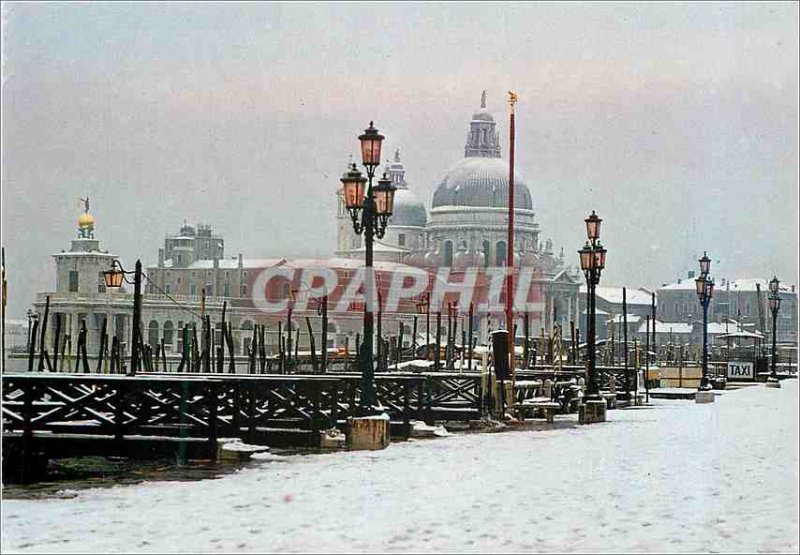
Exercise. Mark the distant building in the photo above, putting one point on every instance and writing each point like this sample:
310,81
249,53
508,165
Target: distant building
742,300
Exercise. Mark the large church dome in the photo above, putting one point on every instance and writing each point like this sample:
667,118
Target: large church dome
480,182
481,178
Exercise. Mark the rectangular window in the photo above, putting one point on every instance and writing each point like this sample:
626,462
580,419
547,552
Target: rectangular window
401,239
226,292
73,281
243,290
168,289
101,284
193,290
209,290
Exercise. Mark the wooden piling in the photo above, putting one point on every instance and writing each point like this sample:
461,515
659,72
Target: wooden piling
44,332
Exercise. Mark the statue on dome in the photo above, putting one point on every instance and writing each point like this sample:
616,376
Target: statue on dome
483,99
85,221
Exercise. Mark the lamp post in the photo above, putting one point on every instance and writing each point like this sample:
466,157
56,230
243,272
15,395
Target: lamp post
31,317
774,306
424,307
113,278
593,261
370,211
705,291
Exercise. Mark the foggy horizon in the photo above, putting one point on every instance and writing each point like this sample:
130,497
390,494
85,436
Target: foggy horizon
677,123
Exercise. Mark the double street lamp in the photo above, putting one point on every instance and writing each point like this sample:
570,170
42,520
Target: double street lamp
370,210
705,292
593,261
113,278
774,306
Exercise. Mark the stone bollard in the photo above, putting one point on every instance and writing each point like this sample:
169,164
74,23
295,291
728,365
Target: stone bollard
592,411
704,396
368,432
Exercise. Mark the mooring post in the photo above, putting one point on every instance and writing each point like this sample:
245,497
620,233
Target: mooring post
43,334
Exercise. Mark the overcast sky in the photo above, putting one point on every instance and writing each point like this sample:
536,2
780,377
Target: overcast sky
678,123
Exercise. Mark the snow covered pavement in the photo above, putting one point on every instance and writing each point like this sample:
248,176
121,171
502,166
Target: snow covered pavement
678,477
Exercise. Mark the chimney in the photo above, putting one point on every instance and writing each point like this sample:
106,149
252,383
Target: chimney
240,261
160,258
690,274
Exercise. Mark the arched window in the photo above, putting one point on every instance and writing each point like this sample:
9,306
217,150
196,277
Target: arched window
487,253
152,333
500,256
448,253
168,328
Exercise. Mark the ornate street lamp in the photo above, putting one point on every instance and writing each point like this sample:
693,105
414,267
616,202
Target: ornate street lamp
370,211
774,306
593,261
424,307
705,291
113,278
32,317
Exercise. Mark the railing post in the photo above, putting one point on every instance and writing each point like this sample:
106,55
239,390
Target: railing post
315,411
251,411
119,411
212,418
421,399
335,403
235,418
407,408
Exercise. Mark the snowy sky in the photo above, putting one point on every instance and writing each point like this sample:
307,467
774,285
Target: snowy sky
676,122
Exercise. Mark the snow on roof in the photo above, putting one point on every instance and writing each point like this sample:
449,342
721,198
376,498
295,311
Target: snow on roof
632,319
613,295
680,285
667,327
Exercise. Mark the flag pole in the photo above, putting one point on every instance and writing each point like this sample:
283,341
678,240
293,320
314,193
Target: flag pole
512,99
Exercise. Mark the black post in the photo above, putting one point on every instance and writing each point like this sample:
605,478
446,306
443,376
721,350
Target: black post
32,344
653,318
137,317
639,363
625,337
526,330
591,386
427,322
414,340
647,353
379,347
471,315
43,333
437,353
773,373
55,341
324,334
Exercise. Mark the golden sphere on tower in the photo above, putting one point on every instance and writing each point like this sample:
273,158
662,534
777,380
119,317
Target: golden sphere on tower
85,220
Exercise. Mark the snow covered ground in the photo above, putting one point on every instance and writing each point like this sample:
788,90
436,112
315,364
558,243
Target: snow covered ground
678,477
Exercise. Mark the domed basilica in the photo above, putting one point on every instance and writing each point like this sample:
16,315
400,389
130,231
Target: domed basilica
467,225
